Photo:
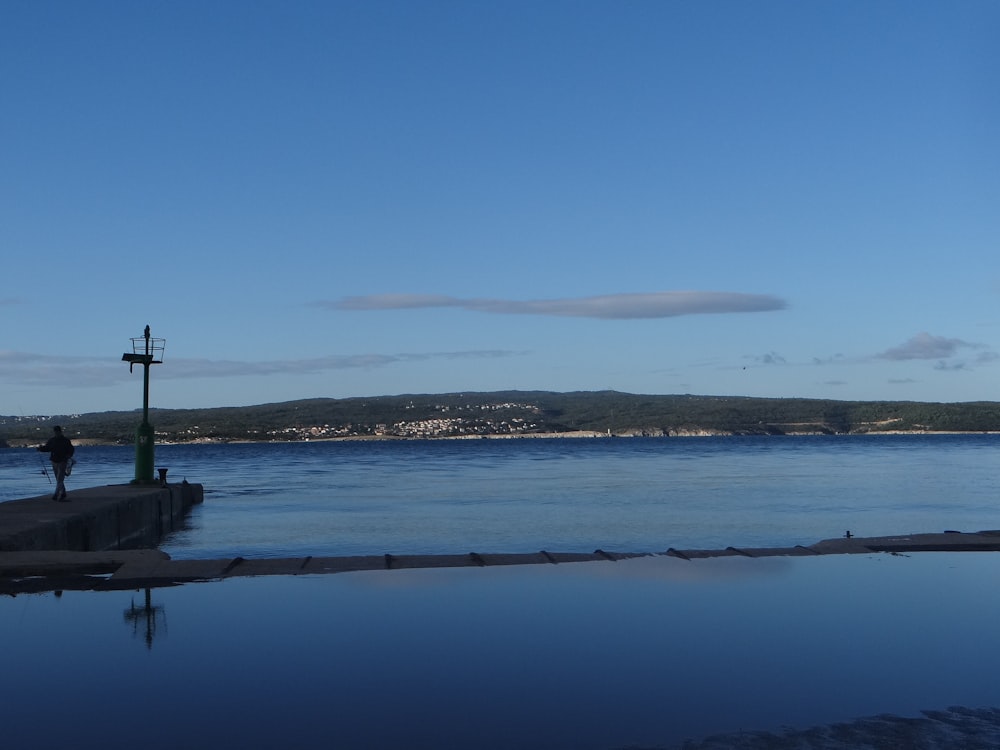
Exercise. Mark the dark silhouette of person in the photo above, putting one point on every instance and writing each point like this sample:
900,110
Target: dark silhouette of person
60,449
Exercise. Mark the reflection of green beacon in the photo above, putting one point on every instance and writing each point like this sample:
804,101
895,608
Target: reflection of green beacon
145,352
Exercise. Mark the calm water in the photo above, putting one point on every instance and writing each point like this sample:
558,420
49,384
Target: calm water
586,656
410,497
644,653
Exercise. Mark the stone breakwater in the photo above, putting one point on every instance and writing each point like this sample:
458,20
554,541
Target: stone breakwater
114,517
38,552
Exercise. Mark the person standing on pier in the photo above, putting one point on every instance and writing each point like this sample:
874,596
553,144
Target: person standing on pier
60,449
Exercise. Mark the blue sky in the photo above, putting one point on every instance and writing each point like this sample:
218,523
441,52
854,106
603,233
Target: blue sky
332,199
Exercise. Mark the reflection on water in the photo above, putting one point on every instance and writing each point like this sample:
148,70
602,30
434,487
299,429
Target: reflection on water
645,652
146,619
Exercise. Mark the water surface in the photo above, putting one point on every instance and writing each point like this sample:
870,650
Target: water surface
636,494
641,653
588,656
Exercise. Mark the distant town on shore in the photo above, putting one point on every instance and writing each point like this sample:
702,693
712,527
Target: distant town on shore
512,414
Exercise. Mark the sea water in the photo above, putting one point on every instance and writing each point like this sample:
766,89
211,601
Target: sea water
588,656
643,653
526,495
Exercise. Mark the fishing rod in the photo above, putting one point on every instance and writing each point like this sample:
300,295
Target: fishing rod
45,469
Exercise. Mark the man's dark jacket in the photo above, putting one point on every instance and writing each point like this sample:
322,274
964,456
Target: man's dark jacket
60,447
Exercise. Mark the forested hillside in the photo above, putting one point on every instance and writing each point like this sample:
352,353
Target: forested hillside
514,413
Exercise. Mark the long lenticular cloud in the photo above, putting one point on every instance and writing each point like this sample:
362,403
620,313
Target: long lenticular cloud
609,306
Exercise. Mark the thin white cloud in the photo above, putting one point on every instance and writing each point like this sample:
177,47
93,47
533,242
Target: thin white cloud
608,307
25,368
37,369
770,358
925,346
205,368
950,366
836,358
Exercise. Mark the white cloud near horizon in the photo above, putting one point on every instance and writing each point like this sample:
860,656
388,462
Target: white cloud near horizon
89,372
926,346
205,368
770,358
608,307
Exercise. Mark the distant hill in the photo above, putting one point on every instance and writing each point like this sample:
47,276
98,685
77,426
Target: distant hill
514,413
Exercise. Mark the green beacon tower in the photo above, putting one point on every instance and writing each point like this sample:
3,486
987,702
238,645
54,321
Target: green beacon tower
146,351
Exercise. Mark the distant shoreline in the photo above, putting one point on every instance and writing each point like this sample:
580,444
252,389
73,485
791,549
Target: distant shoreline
506,415
571,434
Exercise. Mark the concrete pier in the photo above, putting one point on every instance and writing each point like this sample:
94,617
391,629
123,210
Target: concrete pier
115,517
104,539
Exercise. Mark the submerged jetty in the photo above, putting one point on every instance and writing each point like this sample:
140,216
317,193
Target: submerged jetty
105,539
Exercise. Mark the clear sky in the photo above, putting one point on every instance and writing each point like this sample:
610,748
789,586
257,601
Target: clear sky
331,199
